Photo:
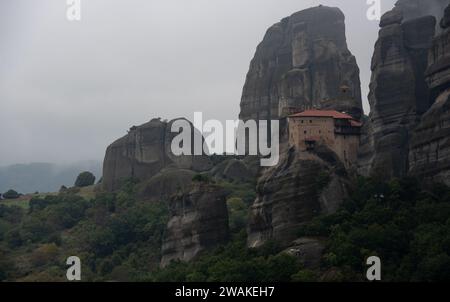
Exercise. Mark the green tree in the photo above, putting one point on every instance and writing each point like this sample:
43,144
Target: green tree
305,276
11,194
201,178
85,179
237,213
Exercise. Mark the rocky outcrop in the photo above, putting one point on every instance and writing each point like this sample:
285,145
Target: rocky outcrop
302,186
198,220
144,152
398,91
412,9
236,170
165,184
430,144
308,251
303,61
445,22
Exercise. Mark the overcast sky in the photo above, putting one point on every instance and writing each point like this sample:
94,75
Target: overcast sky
69,89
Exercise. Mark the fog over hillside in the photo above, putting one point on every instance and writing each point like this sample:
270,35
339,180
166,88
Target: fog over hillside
44,177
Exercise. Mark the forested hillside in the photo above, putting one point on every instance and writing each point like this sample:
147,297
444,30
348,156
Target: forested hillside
118,237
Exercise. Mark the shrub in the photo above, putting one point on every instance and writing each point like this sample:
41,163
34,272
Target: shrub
305,276
44,254
6,266
201,178
13,238
11,194
85,179
237,213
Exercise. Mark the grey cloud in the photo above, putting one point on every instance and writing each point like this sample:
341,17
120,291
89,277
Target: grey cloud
68,89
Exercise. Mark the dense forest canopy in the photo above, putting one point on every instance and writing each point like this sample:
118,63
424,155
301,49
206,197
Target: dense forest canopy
118,237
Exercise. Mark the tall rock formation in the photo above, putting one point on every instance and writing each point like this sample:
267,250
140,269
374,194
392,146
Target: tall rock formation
302,186
303,61
430,144
399,94
198,220
144,152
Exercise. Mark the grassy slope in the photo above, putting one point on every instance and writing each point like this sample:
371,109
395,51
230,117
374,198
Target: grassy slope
24,200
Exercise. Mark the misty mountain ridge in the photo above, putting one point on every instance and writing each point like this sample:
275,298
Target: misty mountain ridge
44,177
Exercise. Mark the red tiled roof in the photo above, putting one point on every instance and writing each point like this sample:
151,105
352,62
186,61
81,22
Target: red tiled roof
323,113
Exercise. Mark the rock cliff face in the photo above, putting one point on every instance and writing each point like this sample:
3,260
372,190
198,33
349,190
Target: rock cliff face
165,184
430,144
143,153
308,251
235,170
398,91
303,61
198,220
412,9
302,186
